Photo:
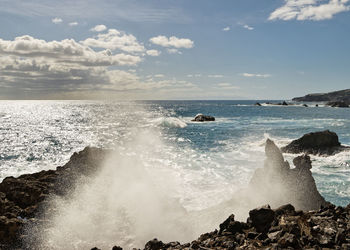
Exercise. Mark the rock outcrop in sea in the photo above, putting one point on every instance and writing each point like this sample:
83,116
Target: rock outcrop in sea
316,143
277,183
203,118
23,200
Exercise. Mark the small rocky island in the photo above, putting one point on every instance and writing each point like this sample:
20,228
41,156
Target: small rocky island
297,216
316,143
203,118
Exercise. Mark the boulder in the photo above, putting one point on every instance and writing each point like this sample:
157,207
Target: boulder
203,118
261,218
317,143
257,104
231,226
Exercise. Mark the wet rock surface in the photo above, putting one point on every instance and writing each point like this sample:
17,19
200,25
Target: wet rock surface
203,118
317,143
23,198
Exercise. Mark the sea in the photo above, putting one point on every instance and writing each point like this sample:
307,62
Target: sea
199,164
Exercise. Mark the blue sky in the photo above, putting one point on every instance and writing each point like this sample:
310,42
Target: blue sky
183,49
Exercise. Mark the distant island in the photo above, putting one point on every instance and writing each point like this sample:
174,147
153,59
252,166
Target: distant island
336,96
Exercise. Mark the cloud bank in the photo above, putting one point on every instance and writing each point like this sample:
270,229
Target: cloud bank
172,41
315,10
99,63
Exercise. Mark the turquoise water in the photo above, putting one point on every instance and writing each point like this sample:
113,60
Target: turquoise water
208,162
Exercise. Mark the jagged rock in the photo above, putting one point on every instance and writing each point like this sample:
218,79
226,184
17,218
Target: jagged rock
203,118
285,209
322,142
305,105
22,198
302,162
261,218
315,229
257,104
154,245
232,226
278,184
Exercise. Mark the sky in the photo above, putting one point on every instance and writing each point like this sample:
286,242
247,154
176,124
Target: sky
173,49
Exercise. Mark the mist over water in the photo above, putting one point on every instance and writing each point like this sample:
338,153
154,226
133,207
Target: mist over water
166,174
120,205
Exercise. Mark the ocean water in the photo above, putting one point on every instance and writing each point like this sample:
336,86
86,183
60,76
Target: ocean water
162,163
207,162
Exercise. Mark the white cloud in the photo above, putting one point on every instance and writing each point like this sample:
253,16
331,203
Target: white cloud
246,26
309,9
194,75
65,51
113,40
173,51
73,24
159,75
226,28
49,68
172,41
256,75
215,76
226,86
98,28
35,64
153,52
57,20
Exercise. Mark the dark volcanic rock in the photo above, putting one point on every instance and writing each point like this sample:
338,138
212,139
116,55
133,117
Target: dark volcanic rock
336,96
338,104
203,118
22,198
323,143
257,104
261,218
318,229
278,184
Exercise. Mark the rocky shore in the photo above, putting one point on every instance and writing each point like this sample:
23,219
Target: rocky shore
23,199
307,221
281,228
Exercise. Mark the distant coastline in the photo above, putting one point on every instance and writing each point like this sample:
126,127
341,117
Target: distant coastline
335,96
